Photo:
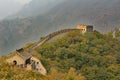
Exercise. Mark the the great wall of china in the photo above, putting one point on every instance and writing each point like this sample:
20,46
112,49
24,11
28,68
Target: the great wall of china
81,28
50,36
26,54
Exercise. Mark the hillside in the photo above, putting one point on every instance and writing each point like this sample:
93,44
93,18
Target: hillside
103,14
74,56
92,54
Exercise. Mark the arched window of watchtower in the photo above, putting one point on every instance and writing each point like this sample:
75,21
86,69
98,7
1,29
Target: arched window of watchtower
15,62
37,62
28,61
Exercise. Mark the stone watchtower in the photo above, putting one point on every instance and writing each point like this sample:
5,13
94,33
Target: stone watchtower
23,59
85,28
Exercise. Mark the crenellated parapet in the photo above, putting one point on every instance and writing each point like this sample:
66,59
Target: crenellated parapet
81,28
50,36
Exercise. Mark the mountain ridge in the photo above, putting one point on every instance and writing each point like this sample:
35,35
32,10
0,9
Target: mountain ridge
104,15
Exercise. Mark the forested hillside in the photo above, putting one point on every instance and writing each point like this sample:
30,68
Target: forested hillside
75,56
94,55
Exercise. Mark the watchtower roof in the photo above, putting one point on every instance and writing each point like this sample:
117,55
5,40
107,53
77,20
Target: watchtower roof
21,52
24,54
83,25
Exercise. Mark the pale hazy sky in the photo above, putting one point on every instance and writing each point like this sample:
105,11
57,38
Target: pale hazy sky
9,7
23,1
